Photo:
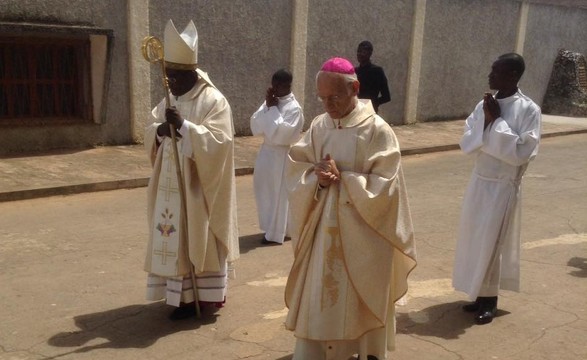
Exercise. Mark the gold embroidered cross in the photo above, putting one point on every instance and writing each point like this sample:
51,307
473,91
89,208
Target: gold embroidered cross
169,157
168,188
164,253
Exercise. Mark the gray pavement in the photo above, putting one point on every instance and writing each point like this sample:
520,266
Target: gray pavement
73,286
120,167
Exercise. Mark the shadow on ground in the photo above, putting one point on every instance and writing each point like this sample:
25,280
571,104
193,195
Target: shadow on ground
135,326
579,263
250,242
447,321
289,357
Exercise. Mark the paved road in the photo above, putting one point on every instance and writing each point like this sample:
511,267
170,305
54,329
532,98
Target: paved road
73,288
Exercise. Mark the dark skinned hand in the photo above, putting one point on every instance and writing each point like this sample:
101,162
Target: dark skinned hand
326,171
270,98
165,130
491,109
173,117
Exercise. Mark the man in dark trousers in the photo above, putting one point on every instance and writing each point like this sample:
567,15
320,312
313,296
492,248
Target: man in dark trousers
371,77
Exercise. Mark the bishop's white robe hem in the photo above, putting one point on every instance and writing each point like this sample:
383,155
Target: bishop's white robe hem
211,287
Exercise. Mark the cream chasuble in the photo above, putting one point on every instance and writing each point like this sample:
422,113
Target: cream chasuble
353,241
206,158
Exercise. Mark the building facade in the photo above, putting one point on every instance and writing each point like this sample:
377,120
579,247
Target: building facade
72,74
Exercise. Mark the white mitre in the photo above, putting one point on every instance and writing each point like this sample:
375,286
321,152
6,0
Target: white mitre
181,50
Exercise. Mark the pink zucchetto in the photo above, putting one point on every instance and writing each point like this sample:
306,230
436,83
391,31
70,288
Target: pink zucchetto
338,65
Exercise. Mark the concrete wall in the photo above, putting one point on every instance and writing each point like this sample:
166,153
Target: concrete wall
116,127
459,46
336,30
438,51
549,29
463,37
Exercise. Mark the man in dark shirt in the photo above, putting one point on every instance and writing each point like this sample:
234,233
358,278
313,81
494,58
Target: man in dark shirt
371,77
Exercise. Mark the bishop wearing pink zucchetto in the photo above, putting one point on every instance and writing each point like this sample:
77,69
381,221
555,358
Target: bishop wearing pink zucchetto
351,227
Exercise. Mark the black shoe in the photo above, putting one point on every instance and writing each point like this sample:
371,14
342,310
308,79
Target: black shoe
183,312
487,310
267,242
369,357
472,307
485,316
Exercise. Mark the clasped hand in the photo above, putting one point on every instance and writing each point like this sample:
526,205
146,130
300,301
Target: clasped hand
172,117
491,109
326,171
270,98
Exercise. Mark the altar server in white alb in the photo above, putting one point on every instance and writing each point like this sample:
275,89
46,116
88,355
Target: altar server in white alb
503,133
205,143
279,120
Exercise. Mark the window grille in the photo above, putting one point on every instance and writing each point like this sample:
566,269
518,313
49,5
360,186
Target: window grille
47,78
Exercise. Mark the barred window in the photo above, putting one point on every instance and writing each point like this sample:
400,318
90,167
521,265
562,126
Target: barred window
47,78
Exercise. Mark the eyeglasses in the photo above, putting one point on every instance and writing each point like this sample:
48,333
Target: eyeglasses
330,99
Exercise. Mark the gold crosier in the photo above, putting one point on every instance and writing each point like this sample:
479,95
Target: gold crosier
153,52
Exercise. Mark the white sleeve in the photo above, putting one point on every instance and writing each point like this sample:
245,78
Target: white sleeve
258,120
288,127
472,139
158,117
280,128
186,144
514,146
